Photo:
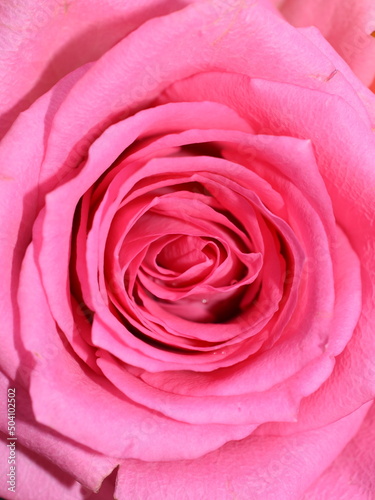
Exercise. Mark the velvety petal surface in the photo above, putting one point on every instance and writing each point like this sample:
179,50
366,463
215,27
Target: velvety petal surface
37,477
257,468
347,26
59,37
351,476
71,461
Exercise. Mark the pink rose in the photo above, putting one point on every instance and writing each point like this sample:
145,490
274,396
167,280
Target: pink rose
187,254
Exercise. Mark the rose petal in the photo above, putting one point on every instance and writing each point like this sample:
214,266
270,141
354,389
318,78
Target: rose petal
74,461
346,25
57,42
37,477
352,473
19,210
256,468
343,71
280,403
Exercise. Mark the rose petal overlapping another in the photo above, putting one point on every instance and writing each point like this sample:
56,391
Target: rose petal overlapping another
188,244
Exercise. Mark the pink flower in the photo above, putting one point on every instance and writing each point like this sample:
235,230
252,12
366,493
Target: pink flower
187,252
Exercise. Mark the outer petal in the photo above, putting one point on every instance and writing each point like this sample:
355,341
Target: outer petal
77,462
255,468
48,39
352,474
137,69
347,25
36,477
20,199
365,94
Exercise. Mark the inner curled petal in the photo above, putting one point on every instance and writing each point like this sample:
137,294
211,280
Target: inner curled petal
208,265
